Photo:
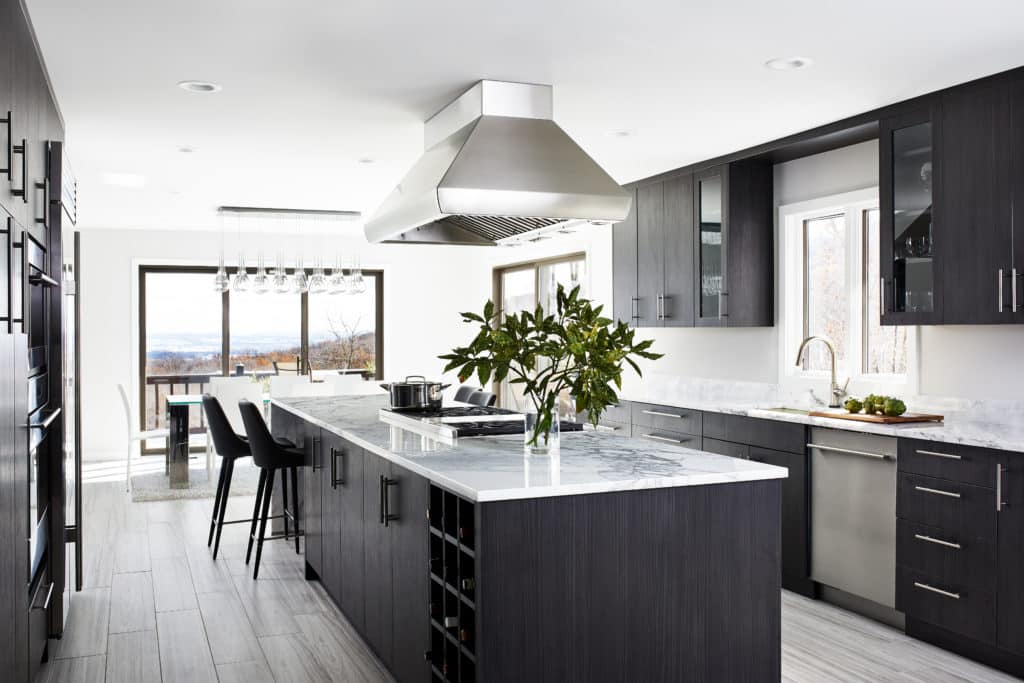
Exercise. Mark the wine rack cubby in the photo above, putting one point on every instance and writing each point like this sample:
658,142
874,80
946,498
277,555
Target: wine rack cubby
452,588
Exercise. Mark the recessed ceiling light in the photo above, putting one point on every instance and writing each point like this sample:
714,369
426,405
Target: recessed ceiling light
621,133
199,86
186,150
366,161
133,180
788,63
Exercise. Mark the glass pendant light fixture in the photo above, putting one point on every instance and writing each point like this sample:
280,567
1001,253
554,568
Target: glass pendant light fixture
261,282
318,283
300,283
356,285
280,281
241,283
221,281
337,282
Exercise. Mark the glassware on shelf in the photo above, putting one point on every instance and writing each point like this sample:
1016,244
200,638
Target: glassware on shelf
241,283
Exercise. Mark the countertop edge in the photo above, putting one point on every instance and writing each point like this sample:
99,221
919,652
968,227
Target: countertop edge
944,432
499,495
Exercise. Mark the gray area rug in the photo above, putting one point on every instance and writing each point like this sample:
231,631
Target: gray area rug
152,486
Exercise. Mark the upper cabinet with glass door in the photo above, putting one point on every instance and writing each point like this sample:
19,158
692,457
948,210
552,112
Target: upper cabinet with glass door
908,176
710,249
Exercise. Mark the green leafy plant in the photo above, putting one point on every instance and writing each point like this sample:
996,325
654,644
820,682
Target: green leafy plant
574,348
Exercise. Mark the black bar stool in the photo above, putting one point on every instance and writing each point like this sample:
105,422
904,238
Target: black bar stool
270,455
230,447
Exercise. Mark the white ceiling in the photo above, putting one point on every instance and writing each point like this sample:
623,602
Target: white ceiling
310,88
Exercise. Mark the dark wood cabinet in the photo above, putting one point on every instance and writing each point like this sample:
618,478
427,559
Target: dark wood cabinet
409,535
912,229
976,207
377,573
1016,179
795,515
330,520
1010,550
734,278
312,502
650,289
343,547
677,300
624,259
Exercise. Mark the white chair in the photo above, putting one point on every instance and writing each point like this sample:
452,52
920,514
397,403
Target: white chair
229,391
135,435
282,386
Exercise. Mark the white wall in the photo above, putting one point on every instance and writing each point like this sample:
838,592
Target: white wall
425,287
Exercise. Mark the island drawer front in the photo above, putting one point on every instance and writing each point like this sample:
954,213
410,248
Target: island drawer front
771,434
967,464
667,436
680,420
947,557
960,509
620,428
969,612
733,450
619,413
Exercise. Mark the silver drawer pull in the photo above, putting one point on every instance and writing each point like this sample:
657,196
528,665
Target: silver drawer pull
661,414
933,589
834,449
606,428
655,437
938,492
937,541
941,455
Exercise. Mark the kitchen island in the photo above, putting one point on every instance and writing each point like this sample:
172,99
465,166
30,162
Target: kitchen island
618,559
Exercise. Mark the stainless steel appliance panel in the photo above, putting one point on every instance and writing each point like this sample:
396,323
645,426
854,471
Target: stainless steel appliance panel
853,513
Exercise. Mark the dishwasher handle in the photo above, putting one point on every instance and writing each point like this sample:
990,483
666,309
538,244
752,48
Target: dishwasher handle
850,451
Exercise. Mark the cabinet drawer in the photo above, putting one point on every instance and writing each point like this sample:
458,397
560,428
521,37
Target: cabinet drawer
618,413
681,420
969,612
967,464
667,436
771,434
733,450
620,428
951,559
960,509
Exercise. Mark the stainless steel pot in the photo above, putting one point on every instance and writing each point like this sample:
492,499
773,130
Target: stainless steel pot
415,393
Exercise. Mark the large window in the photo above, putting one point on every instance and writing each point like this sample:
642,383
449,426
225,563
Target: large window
830,275
521,287
188,333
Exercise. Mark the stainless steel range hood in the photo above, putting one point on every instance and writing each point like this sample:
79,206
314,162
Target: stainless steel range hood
497,169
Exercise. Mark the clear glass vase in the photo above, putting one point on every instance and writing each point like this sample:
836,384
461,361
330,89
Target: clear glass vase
544,442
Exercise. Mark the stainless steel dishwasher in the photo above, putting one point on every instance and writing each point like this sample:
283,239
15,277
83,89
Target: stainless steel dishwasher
853,513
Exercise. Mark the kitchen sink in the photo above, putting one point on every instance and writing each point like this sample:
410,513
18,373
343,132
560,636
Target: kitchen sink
789,411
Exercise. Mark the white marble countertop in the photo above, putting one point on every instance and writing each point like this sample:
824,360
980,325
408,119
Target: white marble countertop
959,427
496,468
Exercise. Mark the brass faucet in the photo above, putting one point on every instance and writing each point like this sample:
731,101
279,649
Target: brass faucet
835,391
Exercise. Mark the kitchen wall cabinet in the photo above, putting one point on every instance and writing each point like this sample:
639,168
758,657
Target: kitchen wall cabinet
976,205
734,245
1016,284
665,254
624,261
650,268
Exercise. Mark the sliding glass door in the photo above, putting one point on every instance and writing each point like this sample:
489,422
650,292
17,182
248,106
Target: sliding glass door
188,333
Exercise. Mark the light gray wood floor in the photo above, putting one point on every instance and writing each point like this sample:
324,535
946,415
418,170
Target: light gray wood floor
156,607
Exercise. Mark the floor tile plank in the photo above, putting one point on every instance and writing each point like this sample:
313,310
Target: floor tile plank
172,585
133,657
131,603
227,628
75,670
184,651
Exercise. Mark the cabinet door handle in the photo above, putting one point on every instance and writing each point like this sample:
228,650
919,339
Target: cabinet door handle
937,492
9,233
999,488
723,299
951,456
313,454
1013,290
937,541
634,303
21,150
9,152
665,298
661,414
386,517
658,307
881,297
655,437
43,187
1000,283
335,480
933,589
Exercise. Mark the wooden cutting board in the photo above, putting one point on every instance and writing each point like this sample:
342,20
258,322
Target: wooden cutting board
878,419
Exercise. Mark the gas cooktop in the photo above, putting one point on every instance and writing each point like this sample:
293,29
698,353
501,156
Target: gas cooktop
455,421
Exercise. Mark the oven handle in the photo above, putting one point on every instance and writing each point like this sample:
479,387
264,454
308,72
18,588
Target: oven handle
45,424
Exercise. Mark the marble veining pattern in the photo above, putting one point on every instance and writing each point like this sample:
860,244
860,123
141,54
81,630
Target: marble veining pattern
496,468
988,424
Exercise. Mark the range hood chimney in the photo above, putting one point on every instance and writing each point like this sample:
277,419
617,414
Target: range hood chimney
497,170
